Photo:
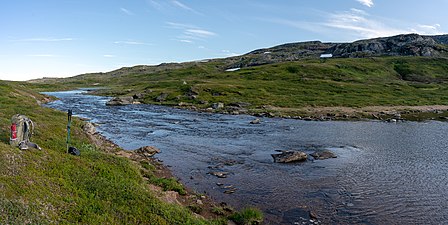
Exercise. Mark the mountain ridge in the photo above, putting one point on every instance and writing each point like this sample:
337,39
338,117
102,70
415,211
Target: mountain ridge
399,45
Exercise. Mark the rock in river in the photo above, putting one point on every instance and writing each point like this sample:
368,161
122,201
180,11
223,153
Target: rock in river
323,154
126,100
289,156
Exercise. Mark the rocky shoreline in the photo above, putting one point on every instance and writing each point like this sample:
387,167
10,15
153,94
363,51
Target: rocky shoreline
382,113
201,205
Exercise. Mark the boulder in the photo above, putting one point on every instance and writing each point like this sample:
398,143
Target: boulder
255,121
218,105
219,174
289,156
147,151
117,101
323,154
89,128
138,96
162,97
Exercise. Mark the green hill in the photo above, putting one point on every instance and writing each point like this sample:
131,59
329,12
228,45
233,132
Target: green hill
284,89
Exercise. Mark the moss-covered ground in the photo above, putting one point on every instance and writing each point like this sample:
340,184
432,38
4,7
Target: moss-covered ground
53,187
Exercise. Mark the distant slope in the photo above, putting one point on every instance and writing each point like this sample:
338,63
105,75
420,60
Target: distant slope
404,70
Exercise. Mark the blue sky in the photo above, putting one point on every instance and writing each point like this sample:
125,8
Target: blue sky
59,38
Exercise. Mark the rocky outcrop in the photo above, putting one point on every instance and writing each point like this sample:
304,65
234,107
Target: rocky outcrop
400,45
323,154
118,101
289,156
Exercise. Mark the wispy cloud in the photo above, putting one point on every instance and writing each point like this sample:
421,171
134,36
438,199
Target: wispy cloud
190,33
127,11
356,24
181,5
361,24
109,56
368,3
228,53
131,43
44,39
155,4
434,29
199,33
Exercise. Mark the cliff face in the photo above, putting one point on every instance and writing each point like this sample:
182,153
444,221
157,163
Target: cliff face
400,45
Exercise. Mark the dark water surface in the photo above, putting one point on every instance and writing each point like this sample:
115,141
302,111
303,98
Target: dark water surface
385,173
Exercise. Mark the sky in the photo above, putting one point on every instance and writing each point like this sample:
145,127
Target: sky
60,38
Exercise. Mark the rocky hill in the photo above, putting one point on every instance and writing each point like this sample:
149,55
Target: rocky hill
400,45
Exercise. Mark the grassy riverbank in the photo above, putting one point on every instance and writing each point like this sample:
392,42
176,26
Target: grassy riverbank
52,187
284,89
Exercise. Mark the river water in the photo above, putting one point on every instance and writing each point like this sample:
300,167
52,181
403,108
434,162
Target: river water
385,173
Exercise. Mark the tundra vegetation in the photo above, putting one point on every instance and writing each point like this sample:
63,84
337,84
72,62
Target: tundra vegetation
53,187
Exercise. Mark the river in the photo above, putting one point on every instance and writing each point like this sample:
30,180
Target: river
385,173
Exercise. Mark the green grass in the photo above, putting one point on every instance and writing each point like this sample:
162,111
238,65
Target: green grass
247,216
349,82
52,187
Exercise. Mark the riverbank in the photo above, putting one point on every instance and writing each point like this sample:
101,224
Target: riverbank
97,187
339,113
162,182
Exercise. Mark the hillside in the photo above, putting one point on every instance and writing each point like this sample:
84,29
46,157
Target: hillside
289,80
52,187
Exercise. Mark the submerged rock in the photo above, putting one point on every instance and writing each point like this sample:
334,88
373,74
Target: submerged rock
323,154
219,174
255,121
289,156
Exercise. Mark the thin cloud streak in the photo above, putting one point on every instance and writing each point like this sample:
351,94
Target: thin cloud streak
190,33
44,39
131,43
368,3
358,22
184,7
126,11
434,29
199,33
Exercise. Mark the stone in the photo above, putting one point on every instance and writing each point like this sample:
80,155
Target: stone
89,128
219,174
147,151
138,96
118,101
162,97
323,154
289,156
218,105
255,121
